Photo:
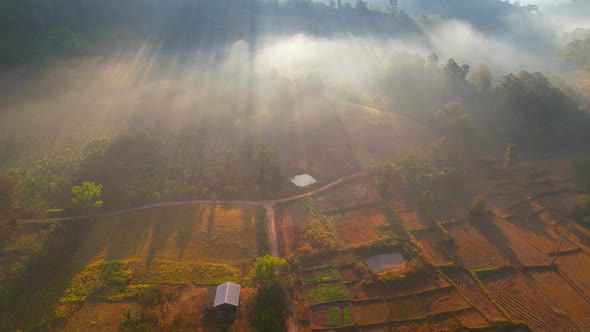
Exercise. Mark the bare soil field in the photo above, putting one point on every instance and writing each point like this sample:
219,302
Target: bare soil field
546,217
432,242
576,267
563,201
562,297
504,201
472,319
447,300
513,292
472,249
359,226
419,284
361,192
406,308
370,312
524,209
509,241
540,236
414,220
467,287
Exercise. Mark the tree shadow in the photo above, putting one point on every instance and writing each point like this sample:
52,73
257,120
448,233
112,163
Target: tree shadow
184,231
211,220
131,236
163,228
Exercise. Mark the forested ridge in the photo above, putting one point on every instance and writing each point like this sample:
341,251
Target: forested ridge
37,30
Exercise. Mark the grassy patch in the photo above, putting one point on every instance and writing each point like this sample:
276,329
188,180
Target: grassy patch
320,275
327,293
96,278
334,317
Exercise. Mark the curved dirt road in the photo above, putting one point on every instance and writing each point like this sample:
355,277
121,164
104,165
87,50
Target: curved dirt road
268,205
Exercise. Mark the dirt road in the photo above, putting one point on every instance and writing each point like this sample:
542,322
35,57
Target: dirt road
268,205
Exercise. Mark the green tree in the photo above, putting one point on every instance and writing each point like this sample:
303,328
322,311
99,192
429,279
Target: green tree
86,198
269,269
271,307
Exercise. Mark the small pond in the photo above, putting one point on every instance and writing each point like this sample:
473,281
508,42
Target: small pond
303,180
384,262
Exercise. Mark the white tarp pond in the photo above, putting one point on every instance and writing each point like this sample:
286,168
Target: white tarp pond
303,180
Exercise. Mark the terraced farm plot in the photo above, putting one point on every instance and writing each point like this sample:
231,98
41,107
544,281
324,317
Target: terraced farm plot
452,208
413,220
524,209
577,268
546,217
444,323
346,196
359,226
517,248
467,287
506,200
562,297
327,292
370,312
522,302
447,300
474,250
331,315
471,319
576,234
543,238
412,286
405,308
433,244
319,275
563,201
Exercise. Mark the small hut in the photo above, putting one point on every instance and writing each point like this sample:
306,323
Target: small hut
224,300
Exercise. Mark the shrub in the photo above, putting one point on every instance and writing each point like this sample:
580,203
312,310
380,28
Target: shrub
478,206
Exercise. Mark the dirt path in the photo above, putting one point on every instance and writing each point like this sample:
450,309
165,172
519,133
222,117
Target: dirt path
268,205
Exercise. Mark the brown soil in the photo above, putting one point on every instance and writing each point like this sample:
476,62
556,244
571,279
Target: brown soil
514,294
414,220
576,267
433,247
562,297
474,250
471,291
370,312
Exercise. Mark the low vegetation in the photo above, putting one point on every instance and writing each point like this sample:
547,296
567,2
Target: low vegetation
327,293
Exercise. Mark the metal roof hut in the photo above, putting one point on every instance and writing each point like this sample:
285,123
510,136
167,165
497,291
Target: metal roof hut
224,300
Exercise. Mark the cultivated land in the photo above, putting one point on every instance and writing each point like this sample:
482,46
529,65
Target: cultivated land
459,270
478,273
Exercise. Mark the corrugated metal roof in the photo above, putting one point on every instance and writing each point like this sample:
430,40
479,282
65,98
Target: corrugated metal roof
228,293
